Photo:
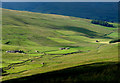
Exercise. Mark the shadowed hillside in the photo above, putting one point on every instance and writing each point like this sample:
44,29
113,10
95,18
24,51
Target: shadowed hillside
96,72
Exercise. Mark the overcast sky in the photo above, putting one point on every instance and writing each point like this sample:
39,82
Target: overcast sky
59,0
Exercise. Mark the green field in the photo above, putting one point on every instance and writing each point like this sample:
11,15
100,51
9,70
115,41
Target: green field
47,33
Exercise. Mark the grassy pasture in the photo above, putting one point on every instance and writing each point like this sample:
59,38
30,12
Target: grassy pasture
46,33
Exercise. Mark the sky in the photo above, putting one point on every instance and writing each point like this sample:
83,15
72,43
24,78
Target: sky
59,0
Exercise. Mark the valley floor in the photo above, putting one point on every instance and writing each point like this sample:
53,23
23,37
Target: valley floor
35,63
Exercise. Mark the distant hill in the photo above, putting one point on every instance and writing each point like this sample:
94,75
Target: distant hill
90,10
29,28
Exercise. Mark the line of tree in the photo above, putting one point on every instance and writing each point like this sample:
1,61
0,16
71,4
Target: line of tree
114,41
103,23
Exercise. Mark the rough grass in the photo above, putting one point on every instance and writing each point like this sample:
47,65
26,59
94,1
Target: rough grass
47,33
33,29
96,72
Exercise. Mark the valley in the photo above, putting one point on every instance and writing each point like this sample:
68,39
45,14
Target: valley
42,38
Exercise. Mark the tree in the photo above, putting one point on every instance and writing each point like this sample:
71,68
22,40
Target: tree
103,23
115,40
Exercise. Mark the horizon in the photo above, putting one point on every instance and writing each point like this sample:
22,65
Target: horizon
59,1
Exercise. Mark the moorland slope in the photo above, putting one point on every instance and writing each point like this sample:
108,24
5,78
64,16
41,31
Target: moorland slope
41,37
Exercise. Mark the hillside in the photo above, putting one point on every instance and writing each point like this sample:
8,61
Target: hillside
41,36
34,27
93,10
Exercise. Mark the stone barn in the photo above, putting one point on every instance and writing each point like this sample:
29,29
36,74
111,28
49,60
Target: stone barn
61,48
37,51
67,48
16,51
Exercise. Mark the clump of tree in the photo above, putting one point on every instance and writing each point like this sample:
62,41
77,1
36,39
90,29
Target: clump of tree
8,42
114,41
103,23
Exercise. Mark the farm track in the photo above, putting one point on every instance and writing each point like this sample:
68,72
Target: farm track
13,65
22,63
17,64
